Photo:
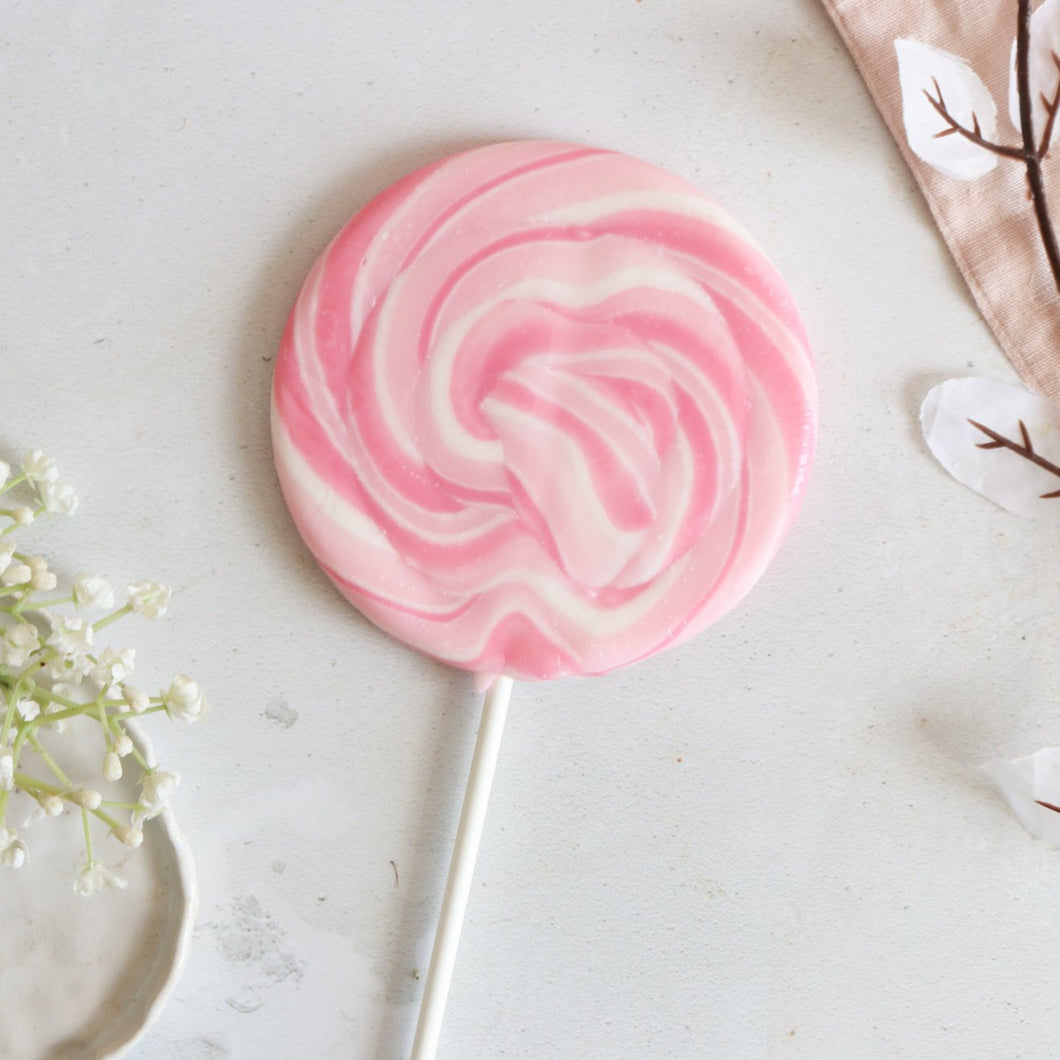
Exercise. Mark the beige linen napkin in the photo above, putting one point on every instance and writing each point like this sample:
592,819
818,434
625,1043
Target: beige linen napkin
975,175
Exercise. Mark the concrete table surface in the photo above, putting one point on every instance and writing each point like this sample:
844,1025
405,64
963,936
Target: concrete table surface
770,842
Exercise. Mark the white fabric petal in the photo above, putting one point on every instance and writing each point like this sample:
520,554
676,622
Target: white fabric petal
1012,479
924,69
1027,783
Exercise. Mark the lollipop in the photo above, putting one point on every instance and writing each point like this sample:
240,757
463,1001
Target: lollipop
541,410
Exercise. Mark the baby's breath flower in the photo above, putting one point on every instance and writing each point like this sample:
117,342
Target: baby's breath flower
95,877
149,599
130,836
87,798
12,850
43,581
66,671
16,574
156,789
59,498
17,643
113,666
44,662
137,700
39,468
112,770
70,689
27,708
71,636
184,699
58,727
91,591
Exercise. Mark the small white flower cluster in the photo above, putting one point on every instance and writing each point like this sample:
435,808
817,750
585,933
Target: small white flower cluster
50,494
52,672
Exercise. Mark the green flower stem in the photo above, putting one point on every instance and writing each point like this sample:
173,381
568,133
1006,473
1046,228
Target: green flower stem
65,701
48,760
33,786
104,722
13,696
69,704
120,805
111,822
88,837
75,710
15,480
20,742
111,618
43,604
9,717
142,761
71,710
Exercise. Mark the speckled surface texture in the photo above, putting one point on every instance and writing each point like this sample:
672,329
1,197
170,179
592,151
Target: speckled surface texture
770,842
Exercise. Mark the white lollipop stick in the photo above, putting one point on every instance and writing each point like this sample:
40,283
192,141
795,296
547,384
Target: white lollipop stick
461,869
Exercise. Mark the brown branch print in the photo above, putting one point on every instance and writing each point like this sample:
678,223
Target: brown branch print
1034,151
1032,147
974,134
1023,448
1050,106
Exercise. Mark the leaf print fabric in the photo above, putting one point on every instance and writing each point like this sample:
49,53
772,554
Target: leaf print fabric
944,77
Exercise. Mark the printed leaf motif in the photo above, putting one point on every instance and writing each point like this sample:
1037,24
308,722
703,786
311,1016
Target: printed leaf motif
1044,73
998,439
945,105
1032,787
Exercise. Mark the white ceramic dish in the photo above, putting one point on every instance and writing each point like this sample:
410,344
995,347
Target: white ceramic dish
84,977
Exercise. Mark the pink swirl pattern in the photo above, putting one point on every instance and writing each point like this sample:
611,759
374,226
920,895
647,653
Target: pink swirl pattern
542,409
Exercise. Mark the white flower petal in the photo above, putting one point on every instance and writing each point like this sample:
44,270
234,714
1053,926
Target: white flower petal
12,850
94,878
184,699
16,574
59,498
156,789
28,709
94,592
149,599
40,468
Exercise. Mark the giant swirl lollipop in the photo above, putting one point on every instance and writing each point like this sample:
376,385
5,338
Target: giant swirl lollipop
540,410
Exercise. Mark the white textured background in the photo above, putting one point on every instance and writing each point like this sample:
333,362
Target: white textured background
768,843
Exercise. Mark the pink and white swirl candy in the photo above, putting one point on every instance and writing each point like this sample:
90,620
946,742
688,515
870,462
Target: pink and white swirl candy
542,409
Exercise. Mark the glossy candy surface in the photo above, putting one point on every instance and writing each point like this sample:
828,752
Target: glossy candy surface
542,409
